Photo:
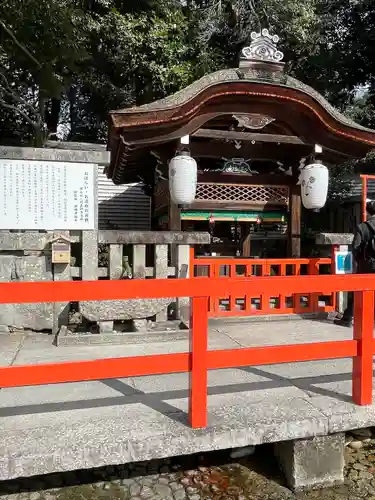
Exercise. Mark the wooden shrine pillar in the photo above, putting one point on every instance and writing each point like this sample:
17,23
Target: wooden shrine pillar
294,234
174,224
174,217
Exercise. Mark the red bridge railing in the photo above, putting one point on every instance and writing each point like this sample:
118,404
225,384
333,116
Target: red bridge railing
261,304
199,360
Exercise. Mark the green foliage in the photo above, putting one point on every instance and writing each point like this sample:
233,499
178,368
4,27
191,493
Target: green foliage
42,46
71,61
90,56
135,58
362,110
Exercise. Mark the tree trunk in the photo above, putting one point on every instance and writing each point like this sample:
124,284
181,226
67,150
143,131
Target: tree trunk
53,115
72,98
39,133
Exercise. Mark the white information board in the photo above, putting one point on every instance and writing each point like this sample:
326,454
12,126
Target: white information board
47,195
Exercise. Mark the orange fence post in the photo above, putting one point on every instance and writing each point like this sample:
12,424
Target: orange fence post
192,262
364,335
313,269
214,272
199,362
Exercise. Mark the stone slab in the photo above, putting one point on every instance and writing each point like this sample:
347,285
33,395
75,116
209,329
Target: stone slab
89,424
225,387
39,349
281,333
83,438
117,338
334,238
55,154
10,346
153,237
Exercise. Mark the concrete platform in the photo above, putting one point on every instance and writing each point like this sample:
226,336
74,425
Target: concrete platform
82,425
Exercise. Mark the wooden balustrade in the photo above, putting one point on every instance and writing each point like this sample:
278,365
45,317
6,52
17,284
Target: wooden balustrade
199,359
276,303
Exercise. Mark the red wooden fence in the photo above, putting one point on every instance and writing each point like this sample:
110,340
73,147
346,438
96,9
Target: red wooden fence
259,305
199,359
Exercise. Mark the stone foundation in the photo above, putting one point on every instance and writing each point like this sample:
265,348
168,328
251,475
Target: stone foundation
317,462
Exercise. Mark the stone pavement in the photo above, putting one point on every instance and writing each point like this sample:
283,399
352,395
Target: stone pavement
74,426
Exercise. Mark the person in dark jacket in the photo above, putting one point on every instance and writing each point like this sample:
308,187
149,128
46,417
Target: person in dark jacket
363,257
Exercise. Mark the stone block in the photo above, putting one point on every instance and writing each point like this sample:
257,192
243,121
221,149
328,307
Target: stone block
109,310
105,326
29,316
183,271
161,271
140,325
316,462
334,239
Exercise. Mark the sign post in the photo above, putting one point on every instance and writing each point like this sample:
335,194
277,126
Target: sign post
343,260
342,263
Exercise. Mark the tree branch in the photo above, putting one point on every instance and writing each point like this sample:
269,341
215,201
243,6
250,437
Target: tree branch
15,109
10,93
20,45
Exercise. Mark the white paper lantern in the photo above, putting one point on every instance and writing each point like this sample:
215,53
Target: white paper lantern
314,185
183,179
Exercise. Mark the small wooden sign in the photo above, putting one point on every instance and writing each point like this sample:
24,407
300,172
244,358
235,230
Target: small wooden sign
61,250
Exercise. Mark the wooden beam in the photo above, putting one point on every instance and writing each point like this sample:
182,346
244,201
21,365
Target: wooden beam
236,205
247,136
259,151
294,245
255,179
174,217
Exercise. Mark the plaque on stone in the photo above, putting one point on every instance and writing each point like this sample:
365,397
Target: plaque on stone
42,195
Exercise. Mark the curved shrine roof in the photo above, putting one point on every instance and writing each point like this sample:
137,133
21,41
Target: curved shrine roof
149,113
259,85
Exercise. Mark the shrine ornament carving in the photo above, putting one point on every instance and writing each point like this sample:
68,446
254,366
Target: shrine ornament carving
253,121
263,47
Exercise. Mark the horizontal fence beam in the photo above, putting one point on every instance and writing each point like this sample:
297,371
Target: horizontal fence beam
118,237
76,272
203,260
71,291
100,369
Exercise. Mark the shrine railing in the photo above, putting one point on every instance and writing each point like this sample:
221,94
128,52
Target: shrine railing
253,304
199,359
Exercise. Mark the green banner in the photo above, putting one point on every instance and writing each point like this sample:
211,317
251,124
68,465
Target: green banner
230,215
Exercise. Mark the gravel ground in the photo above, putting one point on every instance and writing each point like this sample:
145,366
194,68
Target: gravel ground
212,476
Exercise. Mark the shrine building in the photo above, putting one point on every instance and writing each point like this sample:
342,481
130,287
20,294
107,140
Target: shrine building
250,129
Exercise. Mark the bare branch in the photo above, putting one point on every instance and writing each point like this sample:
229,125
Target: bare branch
20,45
15,109
16,97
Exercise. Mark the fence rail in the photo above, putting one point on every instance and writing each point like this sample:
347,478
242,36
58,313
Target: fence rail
259,305
199,360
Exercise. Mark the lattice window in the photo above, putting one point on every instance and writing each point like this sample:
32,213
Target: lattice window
242,192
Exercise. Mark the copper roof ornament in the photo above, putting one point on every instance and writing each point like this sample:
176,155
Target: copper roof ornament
263,47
